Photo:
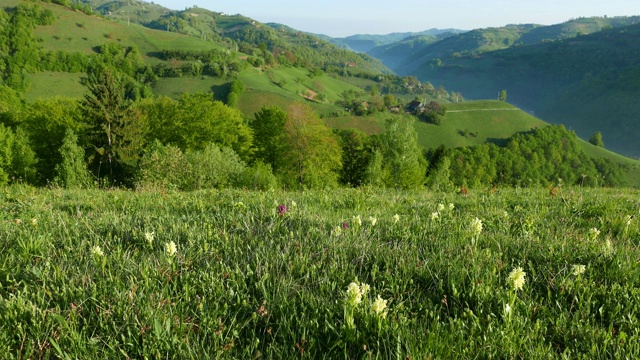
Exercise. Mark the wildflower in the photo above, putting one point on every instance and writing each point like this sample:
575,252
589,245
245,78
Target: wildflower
357,220
505,214
578,269
607,248
451,206
364,289
282,210
440,207
149,236
516,278
34,222
345,225
396,218
593,233
476,226
293,204
378,307
170,248
97,251
435,215
373,220
354,295
507,310
337,231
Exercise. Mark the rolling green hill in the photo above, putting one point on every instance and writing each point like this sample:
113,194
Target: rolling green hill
411,55
237,32
466,123
590,83
366,42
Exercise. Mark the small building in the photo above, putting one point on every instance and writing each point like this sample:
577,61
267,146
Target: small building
416,106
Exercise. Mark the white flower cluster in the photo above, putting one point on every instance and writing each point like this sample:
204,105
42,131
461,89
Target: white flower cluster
516,278
578,269
170,248
97,251
476,226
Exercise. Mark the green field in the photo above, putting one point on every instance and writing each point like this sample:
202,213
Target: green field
49,84
111,274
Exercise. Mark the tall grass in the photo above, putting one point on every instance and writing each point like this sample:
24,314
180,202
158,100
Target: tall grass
87,274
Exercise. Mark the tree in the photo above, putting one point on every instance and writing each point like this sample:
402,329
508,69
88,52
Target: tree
195,121
502,96
313,156
116,132
404,165
596,139
46,122
356,156
390,100
269,136
72,171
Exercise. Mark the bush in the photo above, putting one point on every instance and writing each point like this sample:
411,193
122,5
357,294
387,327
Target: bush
258,177
72,172
162,168
213,168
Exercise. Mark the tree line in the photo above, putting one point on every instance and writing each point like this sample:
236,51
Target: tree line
112,138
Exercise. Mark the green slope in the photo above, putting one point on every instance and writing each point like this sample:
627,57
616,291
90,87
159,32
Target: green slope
410,55
590,83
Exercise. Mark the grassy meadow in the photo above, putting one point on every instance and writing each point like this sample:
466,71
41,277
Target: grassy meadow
368,273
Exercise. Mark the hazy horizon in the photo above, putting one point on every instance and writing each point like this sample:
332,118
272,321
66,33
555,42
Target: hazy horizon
340,19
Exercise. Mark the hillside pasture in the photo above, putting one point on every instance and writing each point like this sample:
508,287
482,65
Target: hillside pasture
340,273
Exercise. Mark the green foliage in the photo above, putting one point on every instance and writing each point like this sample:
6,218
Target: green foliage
538,158
502,96
596,139
17,159
195,121
269,136
47,122
404,164
313,156
213,168
258,176
162,168
356,157
116,132
7,138
24,158
72,172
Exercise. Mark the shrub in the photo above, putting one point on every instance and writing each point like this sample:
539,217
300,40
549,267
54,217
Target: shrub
162,168
213,168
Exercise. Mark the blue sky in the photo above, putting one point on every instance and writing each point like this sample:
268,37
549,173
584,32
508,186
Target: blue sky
347,17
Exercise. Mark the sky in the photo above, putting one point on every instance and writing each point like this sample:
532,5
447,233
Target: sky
339,18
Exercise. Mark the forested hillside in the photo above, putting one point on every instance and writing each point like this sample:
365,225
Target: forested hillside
412,55
590,83
367,42
137,101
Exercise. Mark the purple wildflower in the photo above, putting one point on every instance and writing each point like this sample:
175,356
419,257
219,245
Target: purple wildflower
282,209
345,225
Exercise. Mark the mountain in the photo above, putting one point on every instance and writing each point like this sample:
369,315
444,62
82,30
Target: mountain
407,56
590,82
366,42
238,33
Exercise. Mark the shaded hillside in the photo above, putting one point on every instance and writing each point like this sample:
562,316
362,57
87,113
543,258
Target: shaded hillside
409,55
366,42
590,83
239,33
